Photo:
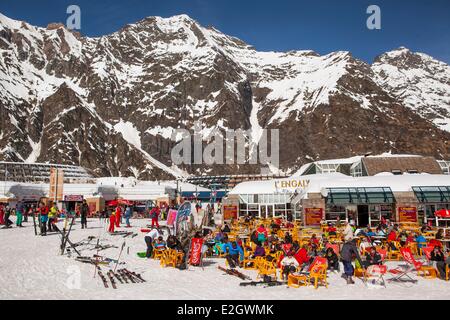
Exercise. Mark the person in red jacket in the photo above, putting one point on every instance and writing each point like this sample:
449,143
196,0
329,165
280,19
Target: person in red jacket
392,236
2,214
117,216
261,233
112,222
154,215
302,257
44,210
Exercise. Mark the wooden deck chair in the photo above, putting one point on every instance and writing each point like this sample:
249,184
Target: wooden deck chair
267,268
394,254
158,253
164,259
335,248
252,264
316,274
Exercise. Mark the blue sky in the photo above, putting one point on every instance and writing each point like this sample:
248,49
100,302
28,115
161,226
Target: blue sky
281,25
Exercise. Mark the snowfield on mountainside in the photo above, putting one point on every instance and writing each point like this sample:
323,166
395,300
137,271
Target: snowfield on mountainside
31,267
111,103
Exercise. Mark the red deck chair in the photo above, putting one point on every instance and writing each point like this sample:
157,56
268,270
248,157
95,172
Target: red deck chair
335,248
429,269
383,254
378,272
316,263
400,274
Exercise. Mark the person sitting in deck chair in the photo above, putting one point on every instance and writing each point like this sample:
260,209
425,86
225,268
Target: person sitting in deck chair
372,258
160,243
259,251
302,257
437,256
289,265
332,259
235,254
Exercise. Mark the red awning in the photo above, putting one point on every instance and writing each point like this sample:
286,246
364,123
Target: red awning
115,203
443,213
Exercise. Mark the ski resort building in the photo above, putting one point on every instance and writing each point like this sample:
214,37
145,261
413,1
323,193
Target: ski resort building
360,166
331,196
97,193
40,172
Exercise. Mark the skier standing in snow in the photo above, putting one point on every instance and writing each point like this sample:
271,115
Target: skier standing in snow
52,217
154,215
8,222
112,222
118,216
19,214
349,253
2,214
43,210
128,216
84,212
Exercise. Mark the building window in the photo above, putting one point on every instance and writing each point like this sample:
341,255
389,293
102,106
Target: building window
332,212
356,170
396,172
327,168
445,166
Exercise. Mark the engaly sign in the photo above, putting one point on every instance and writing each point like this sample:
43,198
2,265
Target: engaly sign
292,184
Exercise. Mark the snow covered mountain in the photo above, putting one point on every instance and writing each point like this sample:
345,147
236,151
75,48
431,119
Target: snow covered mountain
111,103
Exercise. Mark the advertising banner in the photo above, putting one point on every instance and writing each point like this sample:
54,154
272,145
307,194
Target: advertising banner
56,184
230,212
171,217
196,251
313,216
74,198
407,214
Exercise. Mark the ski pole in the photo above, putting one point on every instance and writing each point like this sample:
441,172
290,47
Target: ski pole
120,254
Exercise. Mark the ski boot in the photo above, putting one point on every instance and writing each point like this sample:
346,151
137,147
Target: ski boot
350,280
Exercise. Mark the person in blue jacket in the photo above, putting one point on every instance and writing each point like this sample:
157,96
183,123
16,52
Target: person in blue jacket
128,216
421,241
234,252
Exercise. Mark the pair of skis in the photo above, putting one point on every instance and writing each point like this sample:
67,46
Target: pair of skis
110,275
132,276
265,284
234,272
123,276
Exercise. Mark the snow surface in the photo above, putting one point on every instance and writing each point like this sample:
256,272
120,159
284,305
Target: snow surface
27,263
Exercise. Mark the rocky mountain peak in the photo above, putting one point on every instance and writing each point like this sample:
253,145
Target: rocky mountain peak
112,103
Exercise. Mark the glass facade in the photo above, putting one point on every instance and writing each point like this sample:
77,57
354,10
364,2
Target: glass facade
432,194
445,166
360,195
265,205
327,168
